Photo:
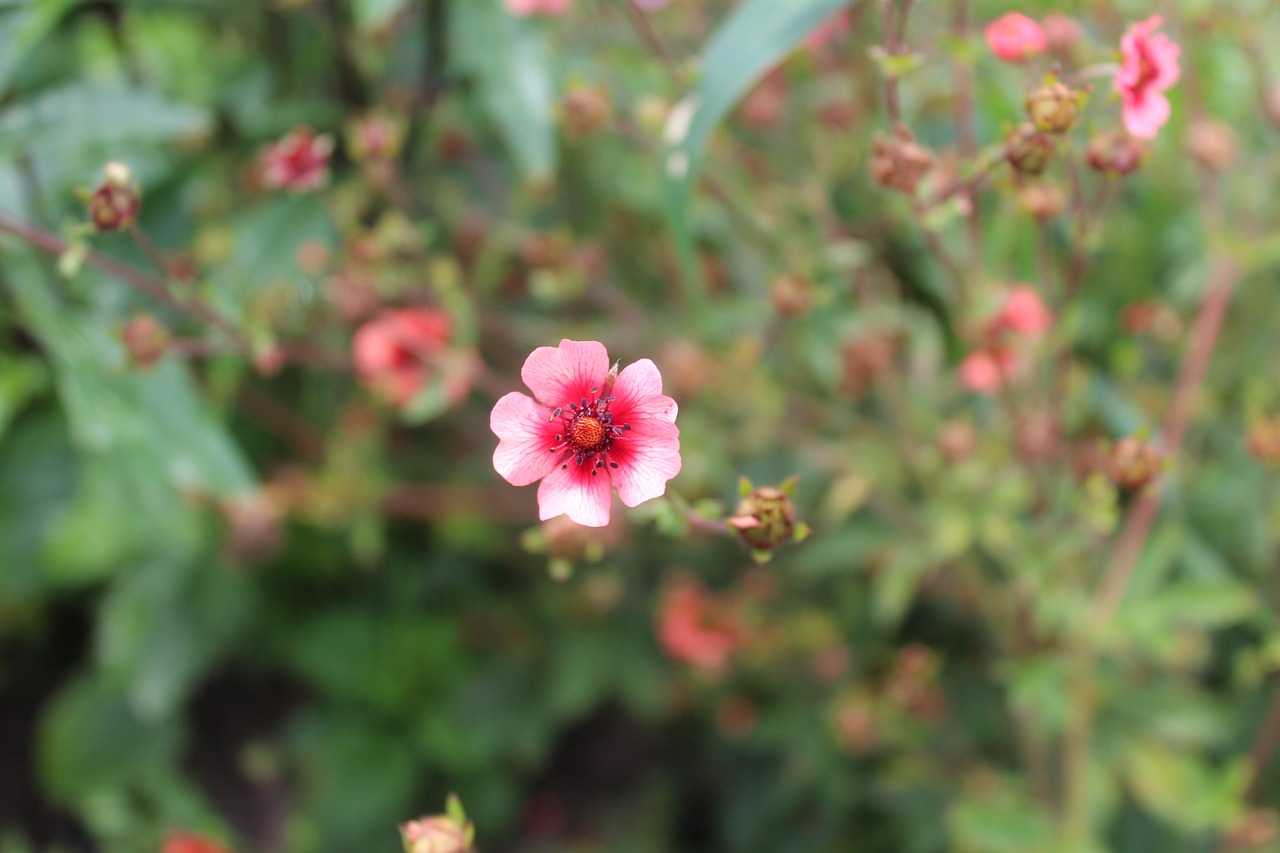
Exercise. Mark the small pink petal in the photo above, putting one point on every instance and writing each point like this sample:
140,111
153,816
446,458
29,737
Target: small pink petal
639,392
647,458
573,491
524,452
1144,117
561,375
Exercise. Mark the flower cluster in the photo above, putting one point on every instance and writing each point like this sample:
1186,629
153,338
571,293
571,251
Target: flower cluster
1022,318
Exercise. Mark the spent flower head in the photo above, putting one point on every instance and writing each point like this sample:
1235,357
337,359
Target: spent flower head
590,430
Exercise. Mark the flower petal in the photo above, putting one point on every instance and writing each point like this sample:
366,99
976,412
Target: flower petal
639,392
558,376
524,452
647,457
571,490
1144,116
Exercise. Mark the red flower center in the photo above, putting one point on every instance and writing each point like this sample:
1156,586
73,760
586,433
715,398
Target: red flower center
587,432
1147,70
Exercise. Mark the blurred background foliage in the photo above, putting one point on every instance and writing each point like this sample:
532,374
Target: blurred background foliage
243,594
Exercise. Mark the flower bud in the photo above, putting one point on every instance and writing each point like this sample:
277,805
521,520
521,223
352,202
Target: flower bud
1134,464
1061,34
1114,153
1258,828
1043,200
446,833
115,203
145,340
585,110
1053,107
1263,440
898,161
792,295
766,517
1212,144
1028,150
375,137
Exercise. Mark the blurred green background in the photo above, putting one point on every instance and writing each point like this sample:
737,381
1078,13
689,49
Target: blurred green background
244,594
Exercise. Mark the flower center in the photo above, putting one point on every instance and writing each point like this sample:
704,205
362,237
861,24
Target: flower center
587,431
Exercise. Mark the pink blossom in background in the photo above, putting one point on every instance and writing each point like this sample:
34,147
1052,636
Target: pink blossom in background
179,841
526,8
394,352
831,30
1023,313
986,371
652,5
1013,37
696,628
589,430
1150,67
298,162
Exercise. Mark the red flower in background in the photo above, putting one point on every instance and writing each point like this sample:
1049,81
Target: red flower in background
590,430
1021,319
550,8
180,841
1150,67
1013,37
697,628
399,352
298,162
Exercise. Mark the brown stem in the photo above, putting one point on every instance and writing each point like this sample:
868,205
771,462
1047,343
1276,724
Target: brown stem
640,23
707,525
1204,336
966,136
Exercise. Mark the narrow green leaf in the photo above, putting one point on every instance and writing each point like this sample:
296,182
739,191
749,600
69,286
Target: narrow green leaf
509,60
755,38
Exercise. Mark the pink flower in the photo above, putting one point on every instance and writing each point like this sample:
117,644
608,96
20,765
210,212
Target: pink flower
986,371
298,162
526,8
179,841
399,352
831,30
1023,313
591,429
1013,37
696,628
1150,67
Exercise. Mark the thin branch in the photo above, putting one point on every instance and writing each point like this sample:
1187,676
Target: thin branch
1137,526
640,23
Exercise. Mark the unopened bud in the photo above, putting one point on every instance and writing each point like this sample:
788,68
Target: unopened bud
375,137
145,340
446,833
766,517
1134,464
1028,150
115,203
1053,107
1061,34
898,161
1043,200
1263,440
585,110
1212,144
1258,828
791,295
1114,153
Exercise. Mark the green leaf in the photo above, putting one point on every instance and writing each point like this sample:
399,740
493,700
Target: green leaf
22,30
161,627
81,116
91,743
512,69
755,38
